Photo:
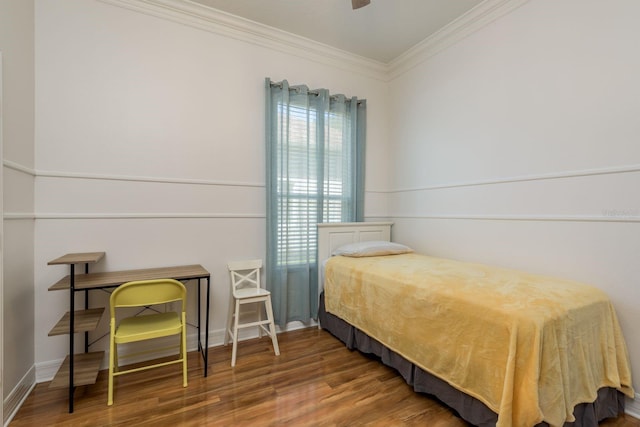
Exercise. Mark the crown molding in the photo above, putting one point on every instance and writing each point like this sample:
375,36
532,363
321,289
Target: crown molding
215,21
475,19
218,22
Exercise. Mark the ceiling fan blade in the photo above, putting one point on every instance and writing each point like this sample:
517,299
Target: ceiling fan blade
357,4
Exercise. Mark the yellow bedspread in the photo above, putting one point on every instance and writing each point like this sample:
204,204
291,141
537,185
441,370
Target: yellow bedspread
529,347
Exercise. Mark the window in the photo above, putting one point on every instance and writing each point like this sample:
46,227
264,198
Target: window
305,186
315,173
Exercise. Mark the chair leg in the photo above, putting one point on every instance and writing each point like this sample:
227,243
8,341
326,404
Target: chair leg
272,326
111,364
227,329
235,333
259,310
183,350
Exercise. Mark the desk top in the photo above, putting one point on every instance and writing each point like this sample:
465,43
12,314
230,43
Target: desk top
78,258
116,278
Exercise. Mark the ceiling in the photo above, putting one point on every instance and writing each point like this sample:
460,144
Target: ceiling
381,31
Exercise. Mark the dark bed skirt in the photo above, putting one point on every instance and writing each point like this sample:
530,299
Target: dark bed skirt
609,403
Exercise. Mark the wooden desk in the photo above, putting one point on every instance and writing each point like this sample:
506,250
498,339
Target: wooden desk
103,280
112,279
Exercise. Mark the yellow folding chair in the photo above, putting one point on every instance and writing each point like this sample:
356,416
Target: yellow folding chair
146,293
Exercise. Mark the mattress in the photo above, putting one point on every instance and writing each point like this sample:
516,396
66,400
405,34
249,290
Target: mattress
529,347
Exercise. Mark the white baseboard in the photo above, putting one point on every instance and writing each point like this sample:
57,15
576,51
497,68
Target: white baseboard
45,371
632,406
14,400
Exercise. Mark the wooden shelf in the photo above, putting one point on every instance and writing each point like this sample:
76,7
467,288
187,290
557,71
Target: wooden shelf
78,258
84,321
85,370
62,284
116,278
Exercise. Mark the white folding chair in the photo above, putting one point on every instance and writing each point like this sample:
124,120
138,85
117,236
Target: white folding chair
245,289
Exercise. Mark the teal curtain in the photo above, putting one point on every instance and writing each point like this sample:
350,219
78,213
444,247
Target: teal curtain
315,173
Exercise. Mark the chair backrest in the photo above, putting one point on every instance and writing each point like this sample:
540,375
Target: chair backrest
245,274
148,292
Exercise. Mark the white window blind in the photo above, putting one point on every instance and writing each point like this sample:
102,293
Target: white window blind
316,172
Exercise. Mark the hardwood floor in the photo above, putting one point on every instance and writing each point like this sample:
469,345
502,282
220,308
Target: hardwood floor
315,381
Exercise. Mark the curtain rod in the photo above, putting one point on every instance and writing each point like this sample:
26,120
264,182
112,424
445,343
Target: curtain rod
313,91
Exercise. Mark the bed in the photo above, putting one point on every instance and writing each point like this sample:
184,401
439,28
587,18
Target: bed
500,347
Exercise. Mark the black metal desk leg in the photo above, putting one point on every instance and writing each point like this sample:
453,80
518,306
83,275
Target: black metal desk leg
206,337
72,292
86,307
199,316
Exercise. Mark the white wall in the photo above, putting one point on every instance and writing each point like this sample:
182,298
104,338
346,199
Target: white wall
150,146
518,146
17,47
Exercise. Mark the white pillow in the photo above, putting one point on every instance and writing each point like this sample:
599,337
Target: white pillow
372,248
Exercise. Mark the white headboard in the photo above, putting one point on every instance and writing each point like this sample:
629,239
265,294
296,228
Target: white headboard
332,235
